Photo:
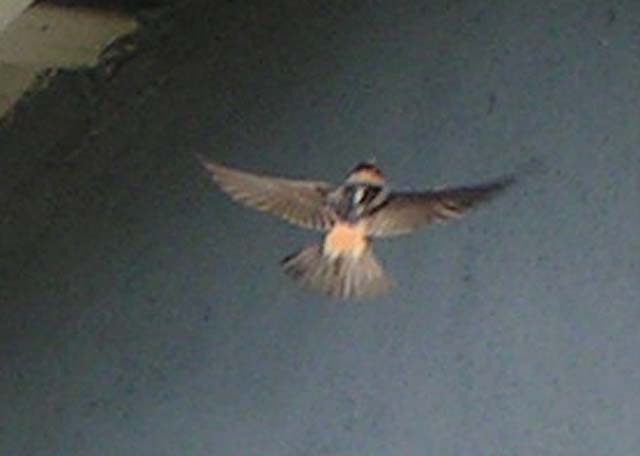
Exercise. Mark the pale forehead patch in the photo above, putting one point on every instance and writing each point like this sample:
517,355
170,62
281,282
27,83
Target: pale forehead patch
368,176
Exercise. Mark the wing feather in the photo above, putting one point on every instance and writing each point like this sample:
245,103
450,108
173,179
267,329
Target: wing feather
301,202
403,213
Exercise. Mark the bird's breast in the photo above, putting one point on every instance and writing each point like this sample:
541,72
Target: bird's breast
346,239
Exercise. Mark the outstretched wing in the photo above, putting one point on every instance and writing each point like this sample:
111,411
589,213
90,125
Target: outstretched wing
405,212
300,202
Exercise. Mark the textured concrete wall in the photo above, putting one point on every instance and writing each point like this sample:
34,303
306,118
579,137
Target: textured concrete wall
45,38
9,10
144,313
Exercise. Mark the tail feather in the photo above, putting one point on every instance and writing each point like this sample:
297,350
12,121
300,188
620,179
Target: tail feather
344,276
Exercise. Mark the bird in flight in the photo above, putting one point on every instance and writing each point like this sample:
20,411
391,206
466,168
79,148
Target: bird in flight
351,215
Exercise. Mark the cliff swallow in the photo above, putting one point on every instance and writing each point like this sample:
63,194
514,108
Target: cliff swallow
351,214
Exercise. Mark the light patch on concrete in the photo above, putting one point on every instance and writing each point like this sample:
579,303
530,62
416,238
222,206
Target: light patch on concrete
10,9
14,81
48,37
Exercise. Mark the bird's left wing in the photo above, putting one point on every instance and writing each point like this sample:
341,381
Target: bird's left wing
301,202
403,213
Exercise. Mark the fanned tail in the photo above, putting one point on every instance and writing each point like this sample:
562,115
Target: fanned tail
344,276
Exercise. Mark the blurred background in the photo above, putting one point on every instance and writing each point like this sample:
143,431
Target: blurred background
144,313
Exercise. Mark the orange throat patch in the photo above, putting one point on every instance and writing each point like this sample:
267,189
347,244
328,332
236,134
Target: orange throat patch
345,239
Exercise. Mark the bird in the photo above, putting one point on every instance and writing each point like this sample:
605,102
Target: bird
351,215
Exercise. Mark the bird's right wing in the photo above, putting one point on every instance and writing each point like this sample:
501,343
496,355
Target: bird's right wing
403,213
300,202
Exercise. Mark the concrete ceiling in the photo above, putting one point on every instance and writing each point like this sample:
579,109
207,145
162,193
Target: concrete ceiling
45,36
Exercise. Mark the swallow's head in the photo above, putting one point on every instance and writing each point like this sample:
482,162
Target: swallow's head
364,189
366,173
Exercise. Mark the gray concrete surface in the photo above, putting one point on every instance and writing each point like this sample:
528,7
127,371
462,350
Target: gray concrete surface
144,314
